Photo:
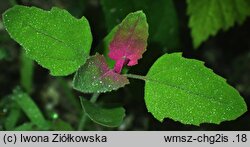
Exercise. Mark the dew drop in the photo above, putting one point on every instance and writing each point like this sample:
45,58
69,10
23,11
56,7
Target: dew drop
5,110
54,116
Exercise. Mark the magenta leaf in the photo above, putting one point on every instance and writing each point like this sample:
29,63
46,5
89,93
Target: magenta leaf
95,77
130,41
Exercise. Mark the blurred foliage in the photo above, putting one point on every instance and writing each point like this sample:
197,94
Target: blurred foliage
207,17
3,53
57,104
161,17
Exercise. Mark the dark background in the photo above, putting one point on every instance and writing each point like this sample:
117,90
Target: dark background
227,53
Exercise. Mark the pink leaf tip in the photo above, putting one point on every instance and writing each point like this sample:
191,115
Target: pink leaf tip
129,41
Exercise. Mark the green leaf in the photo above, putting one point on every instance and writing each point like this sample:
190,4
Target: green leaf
29,126
186,91
26,127
109,117
12,118
30,108
26,72
95,77
55,39
161,16
207,17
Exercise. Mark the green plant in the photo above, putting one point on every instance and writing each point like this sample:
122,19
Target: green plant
208,17
175,87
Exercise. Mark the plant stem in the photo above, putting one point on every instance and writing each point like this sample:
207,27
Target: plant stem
139,77
94,97
84,118
69,94
26,72
82,122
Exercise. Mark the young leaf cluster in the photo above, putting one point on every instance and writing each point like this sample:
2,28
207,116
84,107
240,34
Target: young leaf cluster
175,87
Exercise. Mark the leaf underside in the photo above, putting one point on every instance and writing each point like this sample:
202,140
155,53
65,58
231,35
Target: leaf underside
110,117
55,39
186,91
95,77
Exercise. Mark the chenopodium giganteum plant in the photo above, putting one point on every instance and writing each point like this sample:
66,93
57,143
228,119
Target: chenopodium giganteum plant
175,87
